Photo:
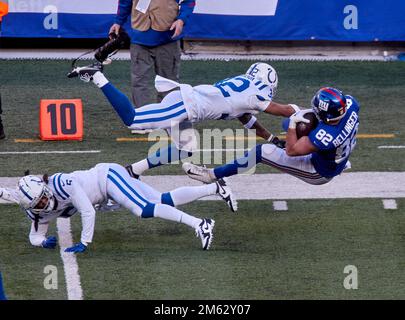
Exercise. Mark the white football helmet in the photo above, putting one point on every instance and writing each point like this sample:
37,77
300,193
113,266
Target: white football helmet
35,195
265,73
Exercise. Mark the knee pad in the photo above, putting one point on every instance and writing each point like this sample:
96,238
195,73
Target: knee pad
266,149
148,211
167,199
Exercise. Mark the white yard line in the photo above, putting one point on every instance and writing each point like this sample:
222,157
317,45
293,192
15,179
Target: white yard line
73,286
280,205
49,152
391,147
285,187
390,204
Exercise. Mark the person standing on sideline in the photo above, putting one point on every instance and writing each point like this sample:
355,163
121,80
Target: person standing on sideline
3,12
3,9
2,295
155,46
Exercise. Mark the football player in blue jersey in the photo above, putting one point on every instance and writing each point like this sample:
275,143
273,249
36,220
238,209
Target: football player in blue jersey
315,158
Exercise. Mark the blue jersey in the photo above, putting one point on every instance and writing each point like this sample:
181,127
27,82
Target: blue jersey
335,142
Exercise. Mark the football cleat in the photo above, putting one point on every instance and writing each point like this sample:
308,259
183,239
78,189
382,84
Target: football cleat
225,192
205,233
7,196
2,134
202,174
131,172
86,73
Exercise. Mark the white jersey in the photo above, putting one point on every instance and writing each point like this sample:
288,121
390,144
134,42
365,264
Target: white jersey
227,99
75,192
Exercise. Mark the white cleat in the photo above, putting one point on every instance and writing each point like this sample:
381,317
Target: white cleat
205,233
202,174
86,73
225,192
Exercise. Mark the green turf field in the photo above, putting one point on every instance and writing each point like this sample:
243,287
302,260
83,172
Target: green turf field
257,253
379,87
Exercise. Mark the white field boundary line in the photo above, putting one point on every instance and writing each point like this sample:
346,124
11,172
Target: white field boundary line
60,54
72,277
386,185
381,185
49,152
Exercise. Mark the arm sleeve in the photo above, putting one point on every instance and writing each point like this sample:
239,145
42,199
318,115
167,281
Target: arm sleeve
123,12
82,203
37,237
186,9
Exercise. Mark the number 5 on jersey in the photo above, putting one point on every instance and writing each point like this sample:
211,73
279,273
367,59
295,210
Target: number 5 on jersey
61,120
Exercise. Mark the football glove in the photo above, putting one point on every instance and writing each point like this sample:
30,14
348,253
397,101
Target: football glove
298,117
278,142
50,243
78,247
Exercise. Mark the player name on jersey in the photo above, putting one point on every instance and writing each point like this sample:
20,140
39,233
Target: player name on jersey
347,130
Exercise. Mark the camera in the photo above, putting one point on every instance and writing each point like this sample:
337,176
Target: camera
116,42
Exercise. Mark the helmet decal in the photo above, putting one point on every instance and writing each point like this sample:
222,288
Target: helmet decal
329,104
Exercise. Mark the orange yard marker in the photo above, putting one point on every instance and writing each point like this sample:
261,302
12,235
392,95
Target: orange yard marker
61,119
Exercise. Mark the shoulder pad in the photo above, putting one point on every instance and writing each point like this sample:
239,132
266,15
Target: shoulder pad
62,184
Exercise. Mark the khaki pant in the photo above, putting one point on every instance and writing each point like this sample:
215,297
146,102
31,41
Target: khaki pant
146,62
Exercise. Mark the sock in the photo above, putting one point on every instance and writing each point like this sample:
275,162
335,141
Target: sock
120,102
167,155
185,195
140,166
166,212
251,159
99,79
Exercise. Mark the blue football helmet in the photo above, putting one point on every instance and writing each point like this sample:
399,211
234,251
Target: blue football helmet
329,104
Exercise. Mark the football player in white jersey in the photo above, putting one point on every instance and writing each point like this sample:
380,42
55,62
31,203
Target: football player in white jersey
240,97
62,195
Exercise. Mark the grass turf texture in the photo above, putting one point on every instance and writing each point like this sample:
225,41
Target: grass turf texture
21,264
378,86
256,254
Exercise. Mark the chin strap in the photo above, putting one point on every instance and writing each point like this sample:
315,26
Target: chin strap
36,222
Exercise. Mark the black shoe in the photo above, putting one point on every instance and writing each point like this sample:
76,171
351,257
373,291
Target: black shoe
131,172
278,142
205,232
225,192
86,73
2,135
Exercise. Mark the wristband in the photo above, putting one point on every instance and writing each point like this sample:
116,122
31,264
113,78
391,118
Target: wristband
270,139
250,123
295,107
292,124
